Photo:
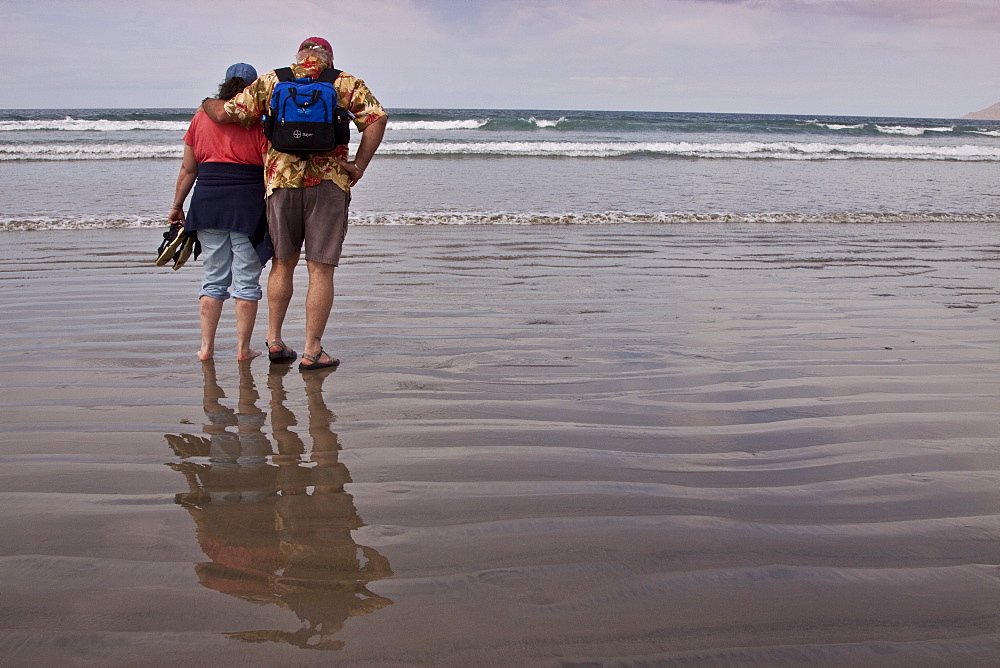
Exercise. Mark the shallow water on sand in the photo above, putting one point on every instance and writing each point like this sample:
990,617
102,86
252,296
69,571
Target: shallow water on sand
671,444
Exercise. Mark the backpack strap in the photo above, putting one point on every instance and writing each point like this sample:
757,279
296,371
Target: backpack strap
328,75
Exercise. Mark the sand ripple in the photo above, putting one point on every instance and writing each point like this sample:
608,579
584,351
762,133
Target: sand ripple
650,444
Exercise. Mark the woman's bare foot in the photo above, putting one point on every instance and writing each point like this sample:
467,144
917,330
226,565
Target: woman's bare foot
248,354
205,355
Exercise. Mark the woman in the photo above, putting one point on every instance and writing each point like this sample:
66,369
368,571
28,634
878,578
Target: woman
226,215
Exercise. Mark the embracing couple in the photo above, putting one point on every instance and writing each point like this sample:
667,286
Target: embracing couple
252,203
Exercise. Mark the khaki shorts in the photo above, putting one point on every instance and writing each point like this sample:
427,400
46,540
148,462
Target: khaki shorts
316,215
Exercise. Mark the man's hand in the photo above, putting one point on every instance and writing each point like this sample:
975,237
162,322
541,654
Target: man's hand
216,110
352,170
371,137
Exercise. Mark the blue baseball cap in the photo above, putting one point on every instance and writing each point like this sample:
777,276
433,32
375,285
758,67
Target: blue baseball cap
242,70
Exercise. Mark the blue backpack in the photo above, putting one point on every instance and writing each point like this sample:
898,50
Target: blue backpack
303,116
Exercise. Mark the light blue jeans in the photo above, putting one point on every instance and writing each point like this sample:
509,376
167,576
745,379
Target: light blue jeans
229,259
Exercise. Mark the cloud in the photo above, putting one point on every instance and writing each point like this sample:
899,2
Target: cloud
962,14
820,56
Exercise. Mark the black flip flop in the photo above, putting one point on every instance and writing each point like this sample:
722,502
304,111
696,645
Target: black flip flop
316,364
286,354
173,239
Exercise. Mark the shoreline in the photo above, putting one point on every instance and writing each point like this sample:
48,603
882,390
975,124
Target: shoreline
15,224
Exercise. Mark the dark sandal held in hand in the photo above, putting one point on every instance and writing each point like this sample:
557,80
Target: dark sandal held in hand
286,354
316,364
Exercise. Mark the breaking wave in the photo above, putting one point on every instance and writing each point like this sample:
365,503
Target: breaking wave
708,150
731,150
81,151
470,124
69,124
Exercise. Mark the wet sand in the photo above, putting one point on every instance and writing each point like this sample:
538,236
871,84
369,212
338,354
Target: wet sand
690,445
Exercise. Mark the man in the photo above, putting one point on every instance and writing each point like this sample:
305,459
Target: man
307,199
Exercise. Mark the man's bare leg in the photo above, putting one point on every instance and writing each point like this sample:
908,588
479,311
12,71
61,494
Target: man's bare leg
210,310
319,303
279,295
246,314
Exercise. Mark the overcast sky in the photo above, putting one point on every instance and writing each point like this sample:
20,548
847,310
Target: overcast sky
917,58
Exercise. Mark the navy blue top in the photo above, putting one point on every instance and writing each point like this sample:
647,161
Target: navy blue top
230,196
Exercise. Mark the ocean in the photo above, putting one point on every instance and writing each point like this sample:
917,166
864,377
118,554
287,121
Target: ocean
105,168
617,389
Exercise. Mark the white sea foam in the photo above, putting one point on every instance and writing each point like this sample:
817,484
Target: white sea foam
76,125
36,223
469,124
836,126
735,150
910,131
988,133
662,218
544,123
900,130
75,151
708,150
29,223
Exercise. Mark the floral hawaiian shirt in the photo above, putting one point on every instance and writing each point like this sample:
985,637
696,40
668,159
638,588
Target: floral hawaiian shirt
283,170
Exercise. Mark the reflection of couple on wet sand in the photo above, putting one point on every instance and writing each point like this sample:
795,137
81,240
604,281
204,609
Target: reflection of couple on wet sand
277,525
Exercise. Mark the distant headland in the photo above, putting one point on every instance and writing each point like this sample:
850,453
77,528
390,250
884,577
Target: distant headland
987,114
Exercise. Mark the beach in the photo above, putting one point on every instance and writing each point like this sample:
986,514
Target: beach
692,444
